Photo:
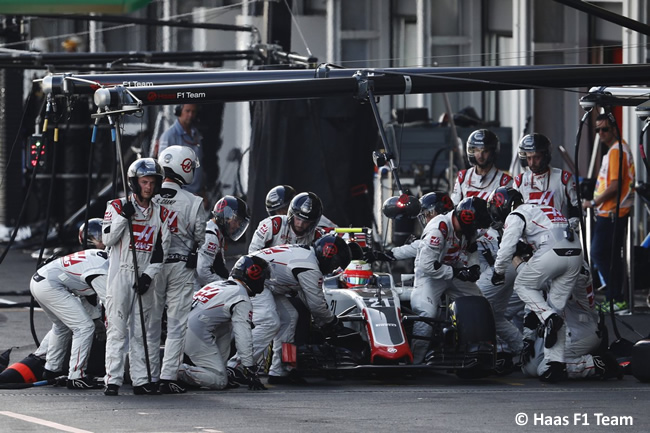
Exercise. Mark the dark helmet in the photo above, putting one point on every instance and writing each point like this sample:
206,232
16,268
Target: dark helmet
231,215
332,252
472,214
279,197
94,232
403,206
306,206
501,202
482,139
356,251
438,202
252,271
144,167
535,143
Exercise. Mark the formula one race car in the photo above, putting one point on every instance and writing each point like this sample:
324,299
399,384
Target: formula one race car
378,330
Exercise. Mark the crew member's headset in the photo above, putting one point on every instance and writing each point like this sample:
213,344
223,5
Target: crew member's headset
178,109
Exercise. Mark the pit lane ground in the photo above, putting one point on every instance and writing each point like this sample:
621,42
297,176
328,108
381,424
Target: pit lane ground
436,402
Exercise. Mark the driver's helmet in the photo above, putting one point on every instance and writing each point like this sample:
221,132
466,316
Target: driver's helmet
357,273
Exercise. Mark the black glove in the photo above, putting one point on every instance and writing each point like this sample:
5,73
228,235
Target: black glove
100,330
461,273
528,351
332,328
254,382
128,210
144,281
523,250
498,279
531,321
371,256
192,260
474,273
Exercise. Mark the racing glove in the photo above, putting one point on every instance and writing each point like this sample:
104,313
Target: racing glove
473,273
128,210
100,330
498,279
332,328
523,250
144,281
254,382
385,256
192,260
527,352
531,321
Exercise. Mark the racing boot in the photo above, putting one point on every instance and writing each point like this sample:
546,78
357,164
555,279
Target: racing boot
555,372
81,383
606,367
171,387
150,388
552,325
111,389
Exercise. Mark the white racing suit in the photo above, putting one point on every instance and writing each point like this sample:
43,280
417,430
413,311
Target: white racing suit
294,272
211,264
186,223
556,261
582,333
152,238
61,288
471,184
272,231
438,253
555,188
220,309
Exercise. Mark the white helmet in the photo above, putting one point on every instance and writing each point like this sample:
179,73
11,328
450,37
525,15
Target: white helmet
179,163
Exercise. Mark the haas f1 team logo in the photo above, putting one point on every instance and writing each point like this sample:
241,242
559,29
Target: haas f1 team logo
466,217
330,250
187,165
498,199
144,237
254,272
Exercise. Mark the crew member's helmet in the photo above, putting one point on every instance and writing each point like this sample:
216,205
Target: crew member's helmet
472,215
401,207
501,202
434,202
179,163
144,167
483,139
251,271
535,143
94,233
357,273
332,253
231,215
308,207
278,198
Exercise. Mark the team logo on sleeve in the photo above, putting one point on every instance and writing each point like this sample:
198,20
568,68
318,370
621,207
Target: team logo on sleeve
565,177
443,228
212,247
505,180
434,241
276,224
117,205
461,176
518,180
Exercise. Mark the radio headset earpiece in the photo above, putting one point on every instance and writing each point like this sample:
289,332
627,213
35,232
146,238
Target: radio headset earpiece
178,109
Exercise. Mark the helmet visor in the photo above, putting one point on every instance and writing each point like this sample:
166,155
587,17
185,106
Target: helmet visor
357,281
237,226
